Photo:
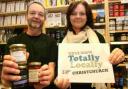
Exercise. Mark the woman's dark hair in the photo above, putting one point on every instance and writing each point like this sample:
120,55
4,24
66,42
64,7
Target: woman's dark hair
88,11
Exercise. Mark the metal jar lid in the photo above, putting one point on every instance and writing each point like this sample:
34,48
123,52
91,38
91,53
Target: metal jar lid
34,63
22,66
17,45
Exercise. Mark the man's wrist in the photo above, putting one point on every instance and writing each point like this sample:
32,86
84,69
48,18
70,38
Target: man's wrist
5,84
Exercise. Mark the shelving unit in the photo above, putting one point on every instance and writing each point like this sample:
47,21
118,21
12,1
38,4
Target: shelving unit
54,9
117,20
123,31
62,8
14,26
119,43
118,30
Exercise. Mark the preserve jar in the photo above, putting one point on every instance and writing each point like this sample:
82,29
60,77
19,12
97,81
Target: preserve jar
23,82
34,72
19,52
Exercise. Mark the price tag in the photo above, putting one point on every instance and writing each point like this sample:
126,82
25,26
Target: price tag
119,18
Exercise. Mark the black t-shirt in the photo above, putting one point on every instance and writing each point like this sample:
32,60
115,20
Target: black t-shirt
41,48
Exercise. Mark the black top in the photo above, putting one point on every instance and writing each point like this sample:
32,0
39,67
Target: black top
41,48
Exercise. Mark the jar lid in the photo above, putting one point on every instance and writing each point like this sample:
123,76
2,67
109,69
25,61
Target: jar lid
17,45
22,66
34,63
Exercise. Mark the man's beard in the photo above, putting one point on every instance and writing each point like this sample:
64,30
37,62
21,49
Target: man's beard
35,25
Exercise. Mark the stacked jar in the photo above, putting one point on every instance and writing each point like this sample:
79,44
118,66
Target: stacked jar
19,52
34,72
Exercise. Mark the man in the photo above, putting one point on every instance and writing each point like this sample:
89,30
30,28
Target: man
39,46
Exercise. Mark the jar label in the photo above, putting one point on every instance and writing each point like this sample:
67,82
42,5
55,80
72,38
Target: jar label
19,55
33,75
20,82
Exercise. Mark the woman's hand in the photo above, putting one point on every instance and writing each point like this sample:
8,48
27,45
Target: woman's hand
62,83
116,56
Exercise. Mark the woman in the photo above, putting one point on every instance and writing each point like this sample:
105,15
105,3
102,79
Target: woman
80,30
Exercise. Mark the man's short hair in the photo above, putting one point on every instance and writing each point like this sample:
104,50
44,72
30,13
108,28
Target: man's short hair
32,2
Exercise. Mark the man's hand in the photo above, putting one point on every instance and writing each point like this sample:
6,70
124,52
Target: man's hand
46,75
9,68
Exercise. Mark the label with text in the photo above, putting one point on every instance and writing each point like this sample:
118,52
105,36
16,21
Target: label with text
85,63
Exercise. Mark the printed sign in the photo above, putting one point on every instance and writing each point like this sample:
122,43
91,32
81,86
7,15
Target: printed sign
85,63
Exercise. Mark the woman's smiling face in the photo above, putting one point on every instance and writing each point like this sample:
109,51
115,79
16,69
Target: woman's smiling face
78,17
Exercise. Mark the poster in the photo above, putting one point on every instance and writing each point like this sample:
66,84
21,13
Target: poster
85,63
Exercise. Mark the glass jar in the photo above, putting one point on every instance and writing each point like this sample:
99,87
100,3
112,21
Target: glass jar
19,52
23,82
34,72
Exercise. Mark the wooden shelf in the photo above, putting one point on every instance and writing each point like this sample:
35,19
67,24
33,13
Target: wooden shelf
97,5
63,8
118,17
119,31
57,9
55,27
13,13
3,43
99,24
119,43
15,26
113,1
